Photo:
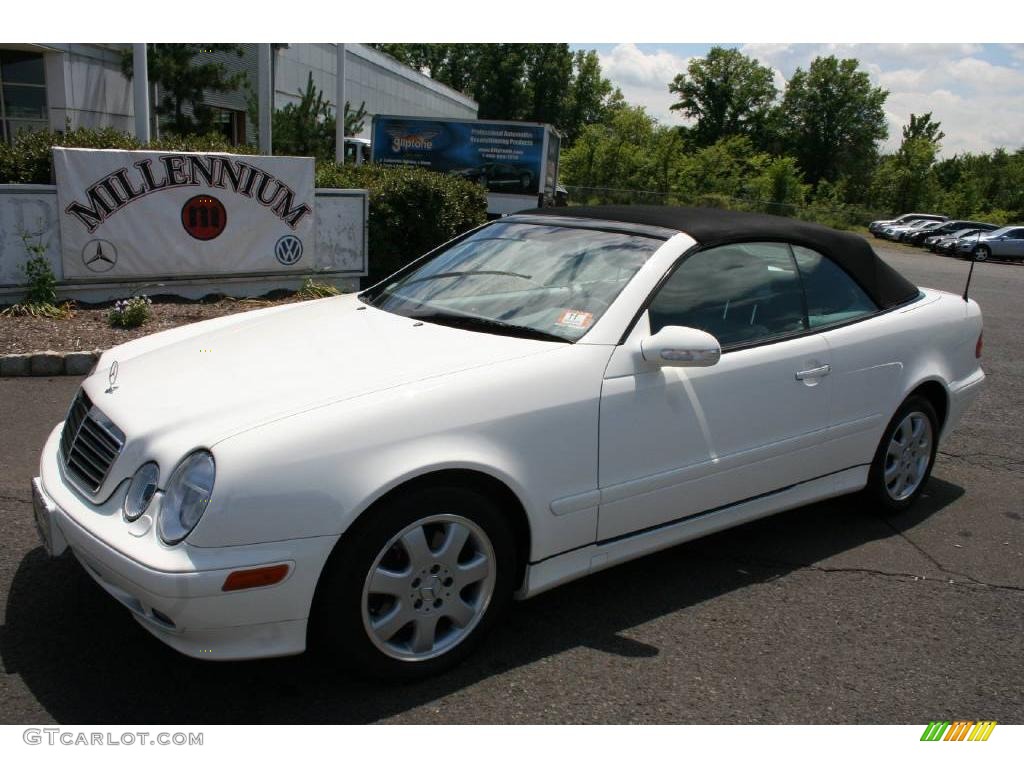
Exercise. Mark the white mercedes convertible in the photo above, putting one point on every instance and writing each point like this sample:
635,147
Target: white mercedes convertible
545,396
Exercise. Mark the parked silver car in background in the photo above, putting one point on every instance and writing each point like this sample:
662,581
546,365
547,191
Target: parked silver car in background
875,227
1006,243
946,242
893,232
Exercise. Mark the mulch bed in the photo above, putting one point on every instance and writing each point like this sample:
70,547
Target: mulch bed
87,329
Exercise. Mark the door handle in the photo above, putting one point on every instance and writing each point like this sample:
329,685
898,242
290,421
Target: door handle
814,373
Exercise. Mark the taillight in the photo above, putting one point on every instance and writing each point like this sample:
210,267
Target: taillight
981,343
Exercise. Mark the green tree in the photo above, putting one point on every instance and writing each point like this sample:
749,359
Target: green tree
727,93
541,82
308,128
906,180
832,120
923,127
622,153
592,98
183,81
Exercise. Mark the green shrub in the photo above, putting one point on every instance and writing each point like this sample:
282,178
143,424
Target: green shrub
311,289
41,296
411,210
131,312
28,160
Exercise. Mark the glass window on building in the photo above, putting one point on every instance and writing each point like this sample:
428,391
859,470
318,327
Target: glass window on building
231,124
22,93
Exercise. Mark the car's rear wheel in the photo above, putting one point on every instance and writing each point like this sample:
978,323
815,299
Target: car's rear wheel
981,253
412,588
905,456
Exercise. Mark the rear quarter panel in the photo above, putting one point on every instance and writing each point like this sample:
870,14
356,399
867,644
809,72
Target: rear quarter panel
878,362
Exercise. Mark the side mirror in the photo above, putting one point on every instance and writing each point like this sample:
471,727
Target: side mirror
676,345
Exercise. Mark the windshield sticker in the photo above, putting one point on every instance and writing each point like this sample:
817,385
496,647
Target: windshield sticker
575,318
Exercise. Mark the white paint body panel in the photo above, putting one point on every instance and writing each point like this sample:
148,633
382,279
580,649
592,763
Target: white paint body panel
313,411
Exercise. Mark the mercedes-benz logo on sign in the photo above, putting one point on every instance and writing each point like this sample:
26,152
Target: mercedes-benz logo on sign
99,255
288,250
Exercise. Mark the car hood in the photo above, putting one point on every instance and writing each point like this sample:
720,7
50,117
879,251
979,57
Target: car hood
217,378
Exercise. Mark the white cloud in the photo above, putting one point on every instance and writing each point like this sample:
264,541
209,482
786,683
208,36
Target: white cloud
977,101
644,78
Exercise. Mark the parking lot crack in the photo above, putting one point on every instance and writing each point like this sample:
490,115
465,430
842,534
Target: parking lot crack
965,580
15,499
949,571
986,460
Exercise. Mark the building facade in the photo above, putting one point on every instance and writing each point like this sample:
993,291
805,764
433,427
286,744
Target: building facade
58,85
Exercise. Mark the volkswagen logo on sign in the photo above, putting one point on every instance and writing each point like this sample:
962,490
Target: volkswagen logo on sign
288,250
99,255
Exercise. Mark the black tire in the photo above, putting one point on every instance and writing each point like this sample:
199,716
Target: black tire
337,630
982,253
876,491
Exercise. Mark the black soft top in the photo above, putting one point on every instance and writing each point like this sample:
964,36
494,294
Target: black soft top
717,226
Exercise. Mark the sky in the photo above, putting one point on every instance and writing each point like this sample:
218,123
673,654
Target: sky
975,91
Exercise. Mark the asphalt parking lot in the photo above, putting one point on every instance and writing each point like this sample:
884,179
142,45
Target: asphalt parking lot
825,614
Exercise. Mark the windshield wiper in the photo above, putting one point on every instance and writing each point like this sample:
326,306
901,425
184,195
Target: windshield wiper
470,322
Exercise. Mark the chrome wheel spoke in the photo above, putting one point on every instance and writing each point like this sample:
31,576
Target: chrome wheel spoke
917,429
388,625
455,539
473,571
891,472
417,548
385,582
459,611
424,633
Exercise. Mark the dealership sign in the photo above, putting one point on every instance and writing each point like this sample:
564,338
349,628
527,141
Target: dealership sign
130,214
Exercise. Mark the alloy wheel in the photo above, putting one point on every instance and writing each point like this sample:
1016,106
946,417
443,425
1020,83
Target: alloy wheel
429,587
908,456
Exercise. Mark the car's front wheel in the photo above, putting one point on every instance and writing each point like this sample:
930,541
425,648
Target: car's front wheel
981,253
416,583
905,455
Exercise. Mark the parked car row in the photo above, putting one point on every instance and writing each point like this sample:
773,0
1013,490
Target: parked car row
953,237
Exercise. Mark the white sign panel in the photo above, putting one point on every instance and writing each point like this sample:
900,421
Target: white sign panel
126,214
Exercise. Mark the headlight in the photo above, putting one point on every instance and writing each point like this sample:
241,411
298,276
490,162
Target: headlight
140,491
186,496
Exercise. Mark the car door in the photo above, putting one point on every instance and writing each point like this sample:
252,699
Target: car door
1012,244
866,351
676,442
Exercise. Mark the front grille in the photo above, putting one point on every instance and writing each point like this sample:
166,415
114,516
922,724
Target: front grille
89,443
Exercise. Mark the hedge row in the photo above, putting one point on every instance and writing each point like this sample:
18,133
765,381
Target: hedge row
411,210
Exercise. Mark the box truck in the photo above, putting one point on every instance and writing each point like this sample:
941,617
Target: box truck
516,162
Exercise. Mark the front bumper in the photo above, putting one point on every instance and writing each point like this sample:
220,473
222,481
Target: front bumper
182,602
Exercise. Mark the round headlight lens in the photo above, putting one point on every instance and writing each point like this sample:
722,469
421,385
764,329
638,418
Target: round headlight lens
141,491
186,496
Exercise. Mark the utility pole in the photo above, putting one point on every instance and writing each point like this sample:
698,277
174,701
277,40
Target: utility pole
140,88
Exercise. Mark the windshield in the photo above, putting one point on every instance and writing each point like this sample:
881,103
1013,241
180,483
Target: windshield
513,278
